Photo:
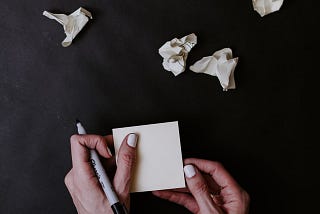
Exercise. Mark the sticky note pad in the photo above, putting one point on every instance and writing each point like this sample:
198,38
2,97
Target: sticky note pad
159,162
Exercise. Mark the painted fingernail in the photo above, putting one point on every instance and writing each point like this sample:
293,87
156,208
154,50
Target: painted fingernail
109,151
189,171
132,140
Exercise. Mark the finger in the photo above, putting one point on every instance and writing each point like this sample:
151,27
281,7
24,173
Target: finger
80,145
212,185
109,140
185,190
199,189
216,171
125,164
180,198
110,163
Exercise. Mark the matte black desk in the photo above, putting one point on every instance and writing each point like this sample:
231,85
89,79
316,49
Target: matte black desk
111,76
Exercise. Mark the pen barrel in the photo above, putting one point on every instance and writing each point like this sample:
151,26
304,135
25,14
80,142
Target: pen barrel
102,177
118,208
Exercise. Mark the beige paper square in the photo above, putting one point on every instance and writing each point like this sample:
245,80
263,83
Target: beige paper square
159,160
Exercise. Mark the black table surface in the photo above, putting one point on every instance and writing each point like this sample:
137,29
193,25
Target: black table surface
112,76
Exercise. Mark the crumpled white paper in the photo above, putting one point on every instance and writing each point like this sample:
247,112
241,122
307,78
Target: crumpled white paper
175,53
264,7
220,64
72,24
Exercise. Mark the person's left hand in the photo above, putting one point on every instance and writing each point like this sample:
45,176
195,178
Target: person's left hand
211,189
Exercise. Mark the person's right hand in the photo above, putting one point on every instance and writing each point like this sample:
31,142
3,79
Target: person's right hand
82,182
211,189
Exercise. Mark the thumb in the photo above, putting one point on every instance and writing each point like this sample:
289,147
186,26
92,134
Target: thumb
125,165
199,189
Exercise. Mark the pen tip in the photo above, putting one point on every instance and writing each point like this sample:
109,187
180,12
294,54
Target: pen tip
77,121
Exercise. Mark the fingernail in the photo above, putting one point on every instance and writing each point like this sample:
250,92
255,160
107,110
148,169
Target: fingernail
132,140
189,171
109,151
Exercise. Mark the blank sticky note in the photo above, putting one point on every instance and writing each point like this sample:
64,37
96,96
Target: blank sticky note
159,160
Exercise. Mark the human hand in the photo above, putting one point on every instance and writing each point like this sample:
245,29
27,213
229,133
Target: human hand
211,189
81,181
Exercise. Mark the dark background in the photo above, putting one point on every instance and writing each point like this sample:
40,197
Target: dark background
111,76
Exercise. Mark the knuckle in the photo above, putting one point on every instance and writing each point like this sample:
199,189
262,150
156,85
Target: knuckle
68,180
243,196
217,164
123,192
98,138
128,159
173,197
246,197
74,138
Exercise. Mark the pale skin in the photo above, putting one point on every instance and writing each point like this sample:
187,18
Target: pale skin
211,189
